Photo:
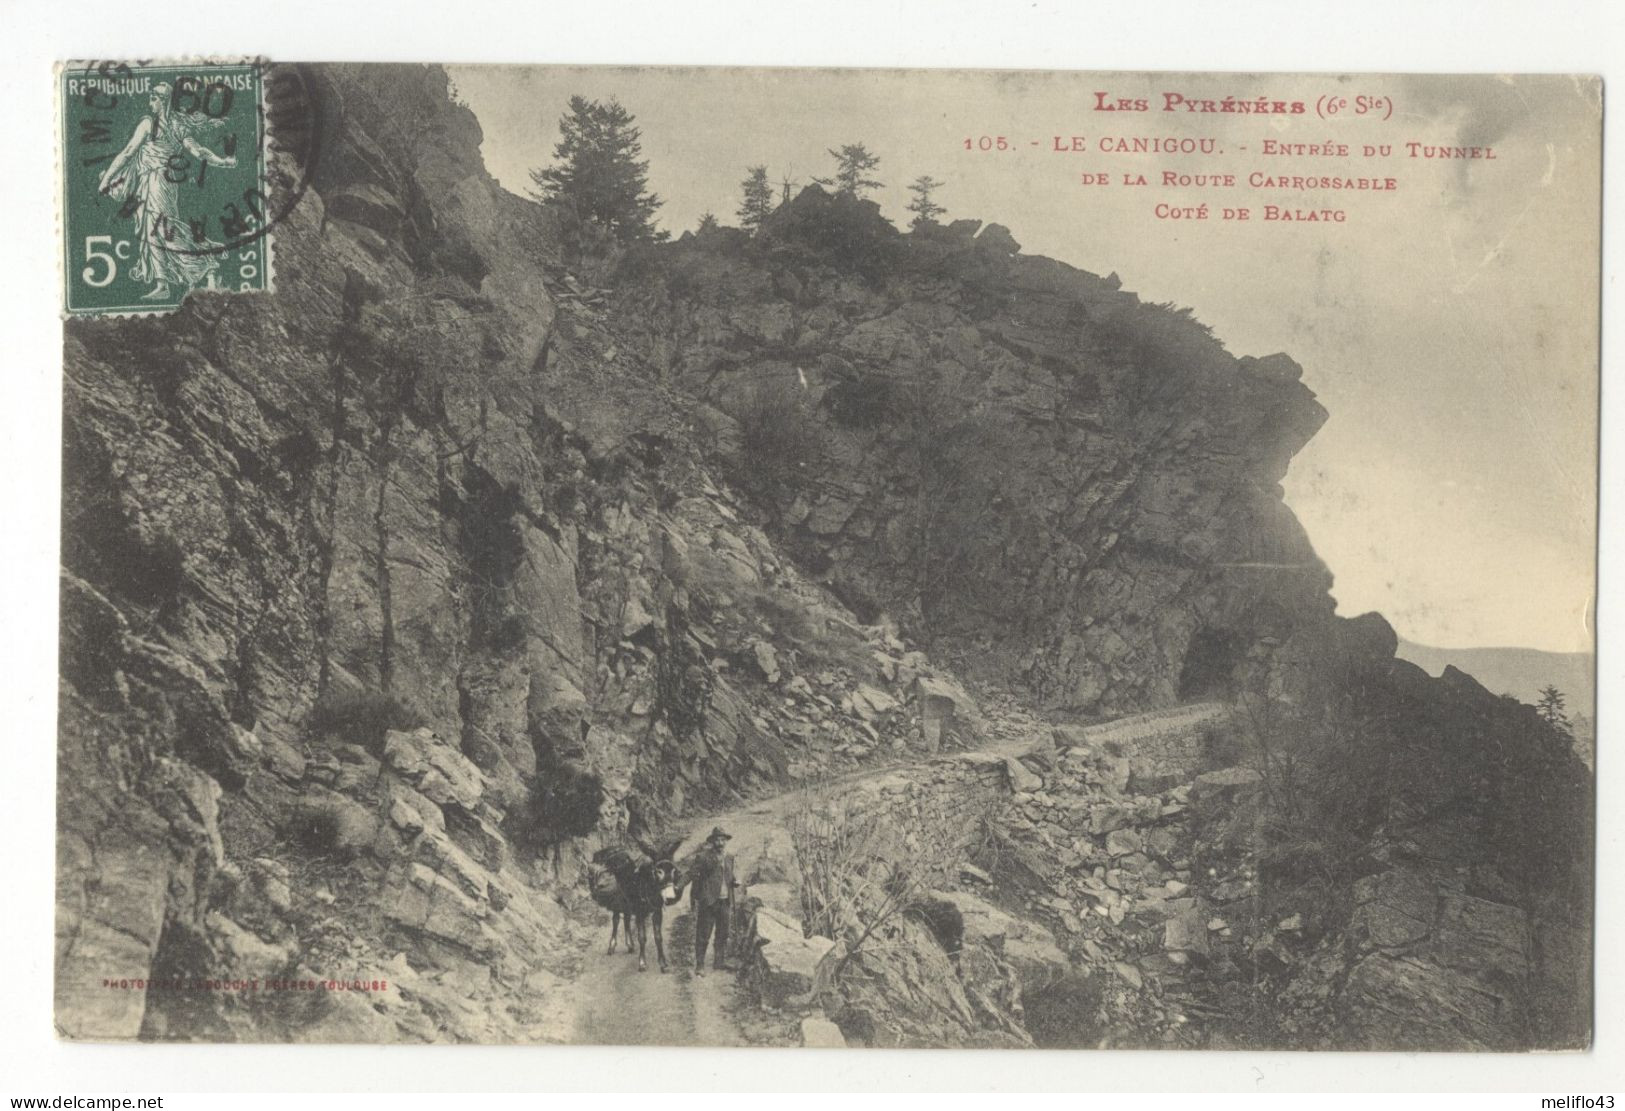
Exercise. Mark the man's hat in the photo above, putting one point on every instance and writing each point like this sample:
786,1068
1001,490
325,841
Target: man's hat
718,835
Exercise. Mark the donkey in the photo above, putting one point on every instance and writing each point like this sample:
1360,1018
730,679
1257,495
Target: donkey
633,887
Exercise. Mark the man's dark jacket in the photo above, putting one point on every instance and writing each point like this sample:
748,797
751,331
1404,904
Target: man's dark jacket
710,883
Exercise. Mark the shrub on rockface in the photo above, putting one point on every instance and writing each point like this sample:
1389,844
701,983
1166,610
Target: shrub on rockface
1164,344
1323,789
1066,1014
781,440
565,800
1539,806
103,541
332,826
362,717
839,230
492,546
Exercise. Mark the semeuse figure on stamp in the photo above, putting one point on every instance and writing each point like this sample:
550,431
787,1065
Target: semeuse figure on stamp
141,176
713,880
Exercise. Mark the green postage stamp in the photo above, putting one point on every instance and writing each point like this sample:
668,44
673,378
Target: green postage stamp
164,183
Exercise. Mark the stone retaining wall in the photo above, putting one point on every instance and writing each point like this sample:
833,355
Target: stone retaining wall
933,810
1163,747
944,798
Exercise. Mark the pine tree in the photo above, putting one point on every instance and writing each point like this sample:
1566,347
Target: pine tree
758,200
597,172
1551,710
708,222
924,208
852,162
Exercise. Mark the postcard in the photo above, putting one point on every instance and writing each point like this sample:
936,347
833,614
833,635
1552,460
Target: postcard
829,558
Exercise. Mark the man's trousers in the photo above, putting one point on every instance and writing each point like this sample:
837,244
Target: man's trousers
712,916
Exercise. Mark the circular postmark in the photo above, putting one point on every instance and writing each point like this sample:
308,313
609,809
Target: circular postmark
217,117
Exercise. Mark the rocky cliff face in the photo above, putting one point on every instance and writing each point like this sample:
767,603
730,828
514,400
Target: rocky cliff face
1010,455
388,597
380,594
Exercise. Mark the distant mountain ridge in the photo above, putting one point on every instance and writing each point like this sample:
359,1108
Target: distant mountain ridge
1521,672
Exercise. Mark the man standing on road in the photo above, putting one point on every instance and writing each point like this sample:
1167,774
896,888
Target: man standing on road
713,898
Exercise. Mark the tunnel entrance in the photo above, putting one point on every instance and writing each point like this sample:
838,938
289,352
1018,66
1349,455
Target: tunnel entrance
1210,664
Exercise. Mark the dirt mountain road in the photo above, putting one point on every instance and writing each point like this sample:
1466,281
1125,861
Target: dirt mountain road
612,1003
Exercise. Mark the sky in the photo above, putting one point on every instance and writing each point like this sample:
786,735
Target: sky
1448,325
